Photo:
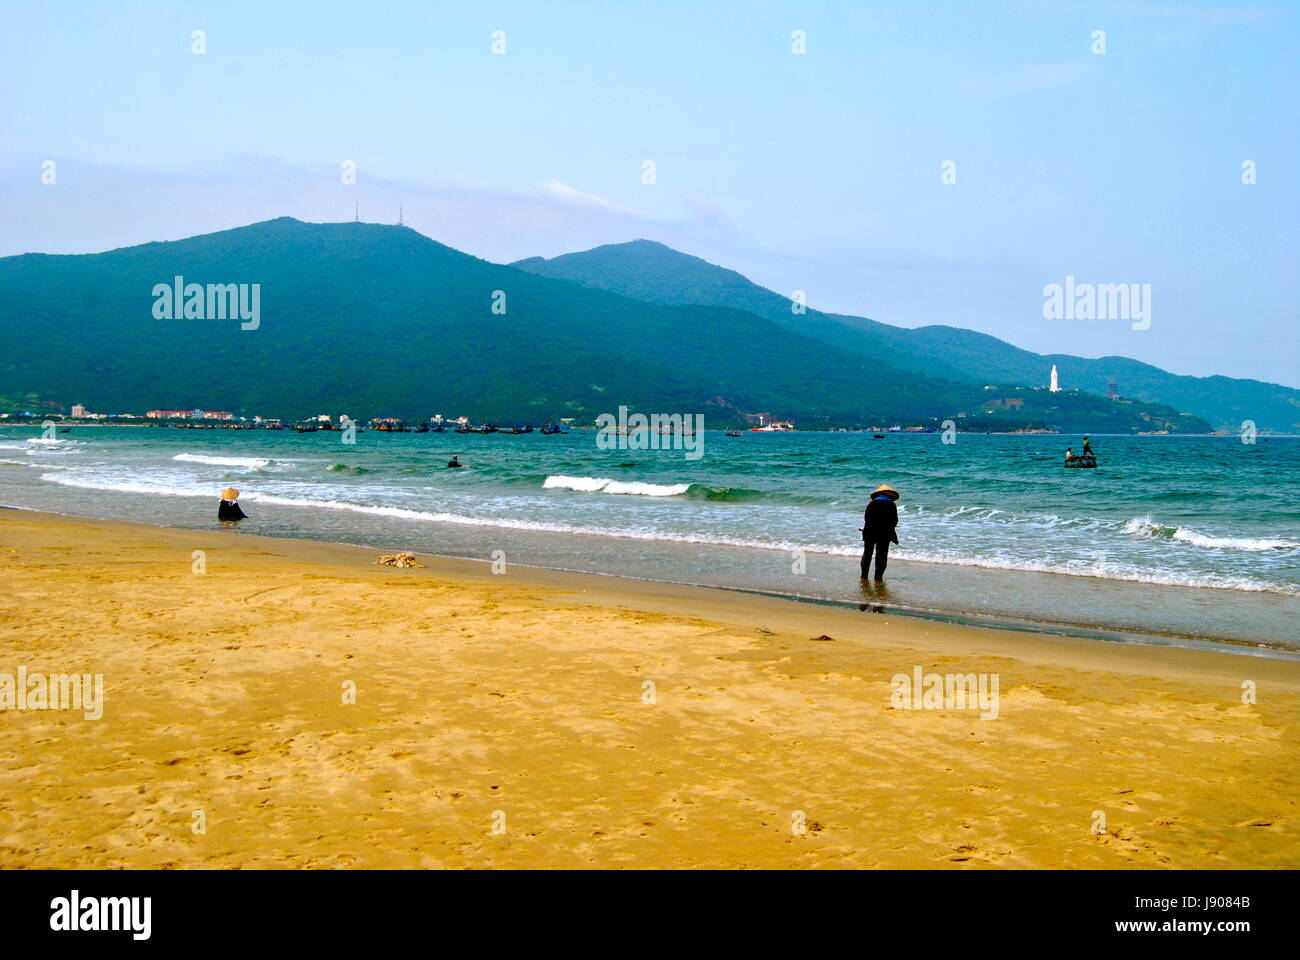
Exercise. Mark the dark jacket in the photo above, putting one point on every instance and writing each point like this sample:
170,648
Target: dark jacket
880,520
229,510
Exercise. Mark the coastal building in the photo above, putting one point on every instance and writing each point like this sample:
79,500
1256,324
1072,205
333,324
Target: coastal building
79,411
1112,390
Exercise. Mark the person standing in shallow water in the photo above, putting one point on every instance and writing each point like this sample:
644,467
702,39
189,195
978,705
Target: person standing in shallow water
229,509
879,529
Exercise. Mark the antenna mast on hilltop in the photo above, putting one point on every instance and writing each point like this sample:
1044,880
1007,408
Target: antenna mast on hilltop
399,215
356,213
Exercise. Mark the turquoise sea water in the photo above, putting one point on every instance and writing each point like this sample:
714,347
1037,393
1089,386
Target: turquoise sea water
1182,537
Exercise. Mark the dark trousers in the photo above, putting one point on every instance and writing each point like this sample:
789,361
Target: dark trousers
882,557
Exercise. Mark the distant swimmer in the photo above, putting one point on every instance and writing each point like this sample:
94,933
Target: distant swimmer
454,462
229,506
879,529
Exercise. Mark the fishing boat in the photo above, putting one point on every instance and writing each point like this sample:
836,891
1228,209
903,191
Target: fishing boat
1081,463
735,433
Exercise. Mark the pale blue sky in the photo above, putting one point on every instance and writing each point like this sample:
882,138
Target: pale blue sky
818,172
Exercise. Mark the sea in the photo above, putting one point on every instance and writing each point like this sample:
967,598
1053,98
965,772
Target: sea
1177,540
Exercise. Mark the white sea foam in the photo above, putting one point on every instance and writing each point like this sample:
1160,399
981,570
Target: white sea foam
1232,543
606,485
127,486
581,484
1101,570
43,446
250,462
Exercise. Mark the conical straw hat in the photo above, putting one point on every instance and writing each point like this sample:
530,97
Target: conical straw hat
230,493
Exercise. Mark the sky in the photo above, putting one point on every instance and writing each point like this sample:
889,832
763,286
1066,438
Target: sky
821,171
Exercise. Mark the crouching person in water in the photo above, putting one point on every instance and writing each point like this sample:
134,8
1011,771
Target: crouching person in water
879,529
229,507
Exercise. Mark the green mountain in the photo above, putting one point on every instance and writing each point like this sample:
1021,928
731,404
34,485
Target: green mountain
380,320
658,274
373,320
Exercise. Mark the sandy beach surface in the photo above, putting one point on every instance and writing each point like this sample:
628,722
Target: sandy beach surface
540,719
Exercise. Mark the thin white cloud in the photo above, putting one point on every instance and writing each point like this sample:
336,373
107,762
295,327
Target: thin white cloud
567,194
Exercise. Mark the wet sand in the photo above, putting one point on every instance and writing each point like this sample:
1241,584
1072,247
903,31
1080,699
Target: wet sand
506,721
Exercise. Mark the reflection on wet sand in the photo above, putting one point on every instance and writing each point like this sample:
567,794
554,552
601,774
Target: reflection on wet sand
874,593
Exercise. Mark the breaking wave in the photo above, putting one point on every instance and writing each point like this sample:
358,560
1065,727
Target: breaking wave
1146,527
607,485
249,462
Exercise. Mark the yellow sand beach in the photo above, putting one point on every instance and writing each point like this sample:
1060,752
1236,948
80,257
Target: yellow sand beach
539,719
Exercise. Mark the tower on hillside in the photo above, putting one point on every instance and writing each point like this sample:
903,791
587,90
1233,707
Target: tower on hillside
1112,390
1055,386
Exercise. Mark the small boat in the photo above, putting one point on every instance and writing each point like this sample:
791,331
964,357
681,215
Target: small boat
735,433
877,436
305,429
1078,463
422,428
524,429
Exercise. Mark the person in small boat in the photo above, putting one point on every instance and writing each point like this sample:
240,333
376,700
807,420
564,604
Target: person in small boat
454,462
879,529
229,508
1087,450
1069,454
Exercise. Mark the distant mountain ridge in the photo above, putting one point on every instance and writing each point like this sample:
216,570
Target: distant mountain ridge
650,271
369,320
360,317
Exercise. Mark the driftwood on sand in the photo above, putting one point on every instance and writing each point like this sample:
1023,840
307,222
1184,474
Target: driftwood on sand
400,560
